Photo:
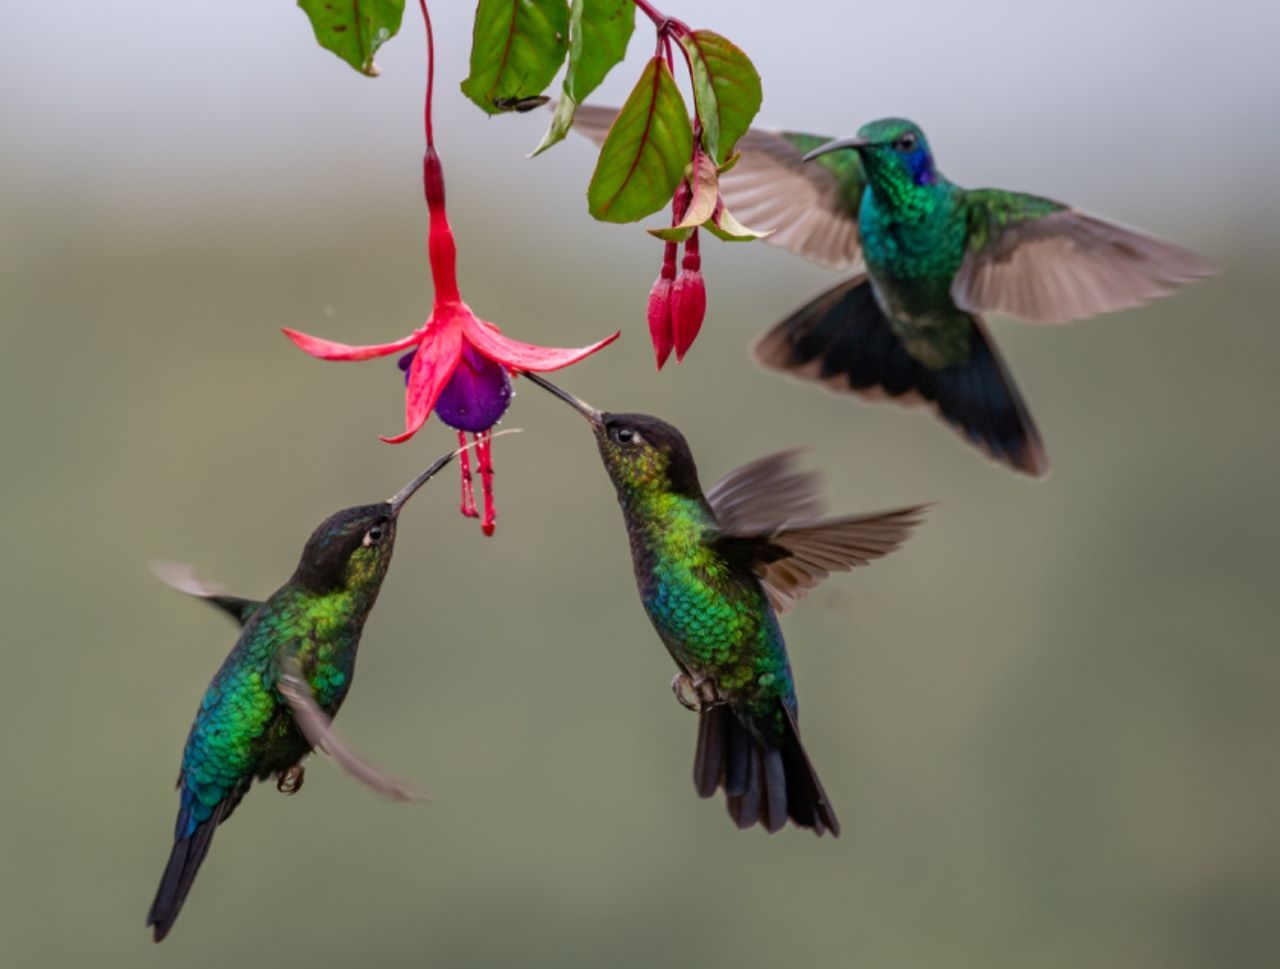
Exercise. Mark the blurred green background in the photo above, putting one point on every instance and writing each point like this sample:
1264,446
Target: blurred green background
1048,724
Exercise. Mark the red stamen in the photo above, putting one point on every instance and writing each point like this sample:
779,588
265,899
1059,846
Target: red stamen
484,458
468,508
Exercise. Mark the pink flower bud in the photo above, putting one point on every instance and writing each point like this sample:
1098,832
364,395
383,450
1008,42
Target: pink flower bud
659,309
688,303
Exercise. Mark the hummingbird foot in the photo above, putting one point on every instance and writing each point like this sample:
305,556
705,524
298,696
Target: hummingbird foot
289,780
695,693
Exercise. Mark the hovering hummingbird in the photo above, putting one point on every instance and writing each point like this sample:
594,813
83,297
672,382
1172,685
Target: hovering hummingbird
714,571
931,259
272,700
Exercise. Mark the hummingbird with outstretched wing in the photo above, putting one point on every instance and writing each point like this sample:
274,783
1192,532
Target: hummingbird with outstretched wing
930,259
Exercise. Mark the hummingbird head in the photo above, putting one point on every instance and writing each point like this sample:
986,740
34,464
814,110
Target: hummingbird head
894,152
640,452
352,548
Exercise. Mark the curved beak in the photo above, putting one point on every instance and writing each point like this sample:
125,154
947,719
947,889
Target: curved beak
397,500
581,406
840,143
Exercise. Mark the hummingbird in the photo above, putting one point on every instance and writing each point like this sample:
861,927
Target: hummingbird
714,571
931,259
271,702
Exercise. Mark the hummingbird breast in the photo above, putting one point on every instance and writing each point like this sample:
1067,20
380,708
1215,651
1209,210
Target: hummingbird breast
913,253
912,256
714,620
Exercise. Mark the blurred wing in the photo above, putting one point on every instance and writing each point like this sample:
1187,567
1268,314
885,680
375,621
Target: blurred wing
1037,260
765,494
318,729
811,208
792,561
184,577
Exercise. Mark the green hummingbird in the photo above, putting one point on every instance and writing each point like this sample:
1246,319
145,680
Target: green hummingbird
931,259
271,702
714,571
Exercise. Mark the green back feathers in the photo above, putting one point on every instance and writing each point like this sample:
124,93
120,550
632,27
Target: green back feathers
990,211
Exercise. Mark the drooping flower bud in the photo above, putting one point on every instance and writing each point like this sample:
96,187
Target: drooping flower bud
688,299
659,310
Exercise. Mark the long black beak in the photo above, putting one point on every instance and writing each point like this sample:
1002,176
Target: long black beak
397,500
581,406
851,142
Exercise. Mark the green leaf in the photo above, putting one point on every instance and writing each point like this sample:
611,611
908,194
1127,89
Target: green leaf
561,122
646,151
726,89
516,48
731,164
354,29
704,193
599,31
672,233
724,226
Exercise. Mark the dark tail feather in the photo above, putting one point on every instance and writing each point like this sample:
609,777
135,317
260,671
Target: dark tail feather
184,861
843,340
762,785
807,802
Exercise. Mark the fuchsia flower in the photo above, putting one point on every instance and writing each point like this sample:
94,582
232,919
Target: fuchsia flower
678,304
460,365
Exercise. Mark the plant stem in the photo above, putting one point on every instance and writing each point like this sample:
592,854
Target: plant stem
431,73
441,250
660,20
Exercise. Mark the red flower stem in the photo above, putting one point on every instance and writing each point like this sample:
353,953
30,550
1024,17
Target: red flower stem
431,71
680,202
660,20
692,260
484,460
668,270
468,489
441,250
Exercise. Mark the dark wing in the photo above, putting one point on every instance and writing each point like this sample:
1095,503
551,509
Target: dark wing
184,577
1039,261
810,208
317,727
760,496
792,561
843,340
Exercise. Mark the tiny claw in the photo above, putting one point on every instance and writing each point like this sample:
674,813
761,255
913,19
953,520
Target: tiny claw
694,693
289,780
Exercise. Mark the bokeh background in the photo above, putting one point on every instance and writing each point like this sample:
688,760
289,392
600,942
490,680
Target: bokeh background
1049,724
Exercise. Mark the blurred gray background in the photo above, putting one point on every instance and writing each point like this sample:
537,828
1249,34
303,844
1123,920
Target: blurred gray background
1048,724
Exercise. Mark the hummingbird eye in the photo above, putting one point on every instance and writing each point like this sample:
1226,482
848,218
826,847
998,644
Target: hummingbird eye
373,536
626,435
906,142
